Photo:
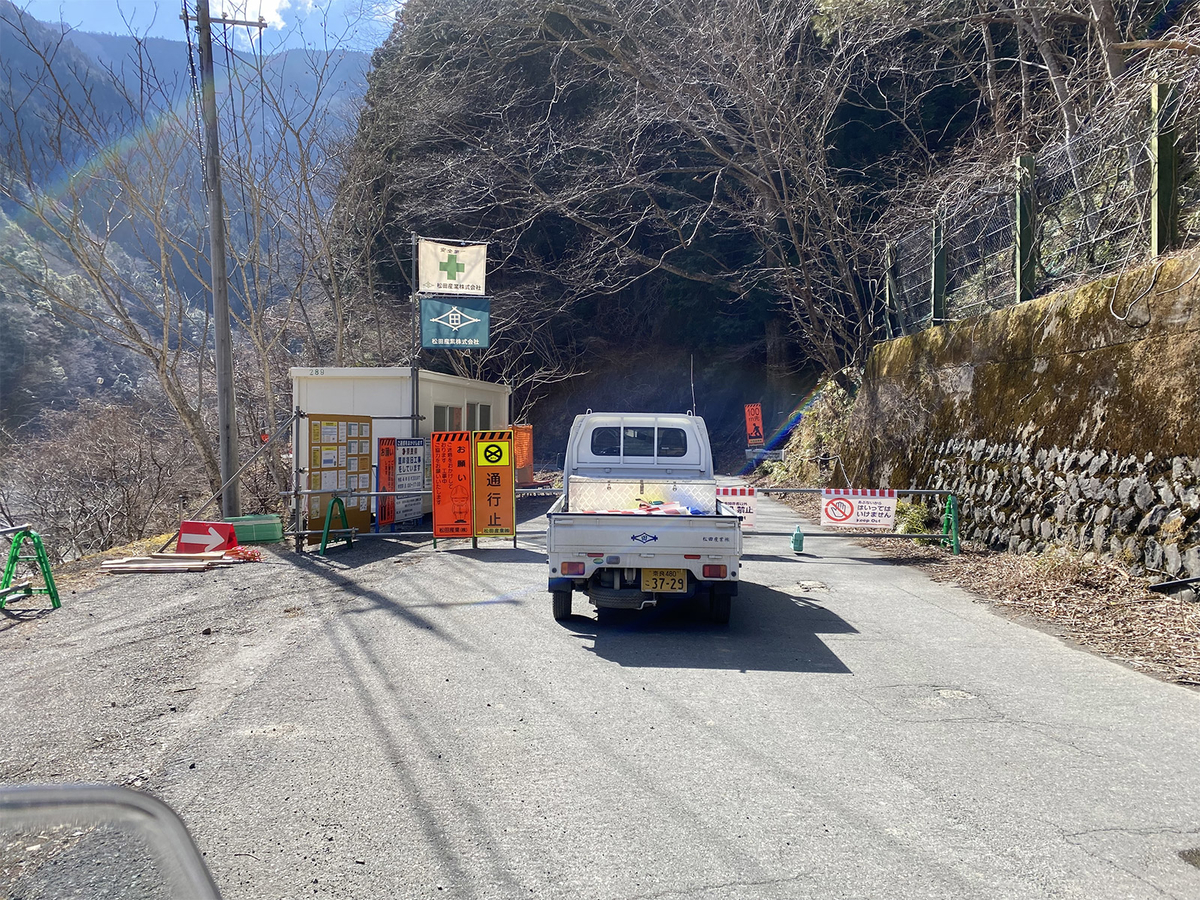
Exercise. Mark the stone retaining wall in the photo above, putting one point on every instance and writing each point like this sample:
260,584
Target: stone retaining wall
1141,510
1071,420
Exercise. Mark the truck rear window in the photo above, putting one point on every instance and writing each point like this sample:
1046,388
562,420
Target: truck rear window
672,442
639,441
606,441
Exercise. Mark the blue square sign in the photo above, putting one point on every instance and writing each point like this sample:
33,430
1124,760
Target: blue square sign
455,323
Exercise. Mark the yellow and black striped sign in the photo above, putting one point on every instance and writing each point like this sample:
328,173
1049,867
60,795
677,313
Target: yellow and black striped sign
452,484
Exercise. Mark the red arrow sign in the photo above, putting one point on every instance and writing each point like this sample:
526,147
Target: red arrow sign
202,537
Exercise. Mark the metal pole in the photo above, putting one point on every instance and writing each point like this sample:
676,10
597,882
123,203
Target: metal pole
297,419
1024,228
937,280
415,355
1163,191
231,501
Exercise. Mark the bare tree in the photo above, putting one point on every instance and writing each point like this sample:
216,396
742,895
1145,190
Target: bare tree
121,247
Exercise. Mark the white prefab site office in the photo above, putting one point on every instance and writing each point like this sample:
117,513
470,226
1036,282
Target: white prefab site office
445,403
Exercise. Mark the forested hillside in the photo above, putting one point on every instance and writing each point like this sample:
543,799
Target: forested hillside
668,174
687,203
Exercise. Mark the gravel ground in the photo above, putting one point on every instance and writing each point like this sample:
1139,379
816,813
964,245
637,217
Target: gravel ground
399,721
1096,605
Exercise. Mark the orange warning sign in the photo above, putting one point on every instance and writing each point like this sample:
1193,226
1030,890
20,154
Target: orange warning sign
754,429
451,451
523,452
495,484
385,507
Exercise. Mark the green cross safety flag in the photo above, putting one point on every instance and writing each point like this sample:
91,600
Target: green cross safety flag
447,269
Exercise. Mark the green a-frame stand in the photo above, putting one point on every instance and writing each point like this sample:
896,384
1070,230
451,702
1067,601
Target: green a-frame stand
8,590
345,529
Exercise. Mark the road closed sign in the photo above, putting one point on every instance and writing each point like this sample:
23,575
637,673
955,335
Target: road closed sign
495,484
741,500
205,537
857,508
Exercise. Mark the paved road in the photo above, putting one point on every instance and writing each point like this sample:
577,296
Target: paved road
396,721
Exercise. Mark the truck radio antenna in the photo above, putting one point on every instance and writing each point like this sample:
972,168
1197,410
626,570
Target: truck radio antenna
692,366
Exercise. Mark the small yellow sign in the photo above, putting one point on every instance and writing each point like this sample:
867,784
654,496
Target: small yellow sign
493,453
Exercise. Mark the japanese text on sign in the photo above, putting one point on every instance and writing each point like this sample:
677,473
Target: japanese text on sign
451,451
741,500
495,484
410,476
859,508
385,507
754,425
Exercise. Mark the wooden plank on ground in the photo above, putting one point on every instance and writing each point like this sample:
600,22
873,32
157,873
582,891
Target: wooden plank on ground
131,568
211,554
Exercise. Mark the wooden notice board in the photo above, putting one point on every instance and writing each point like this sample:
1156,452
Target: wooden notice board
339,449
495,484
451,452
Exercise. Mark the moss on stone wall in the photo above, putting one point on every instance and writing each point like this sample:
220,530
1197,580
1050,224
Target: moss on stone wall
1111,367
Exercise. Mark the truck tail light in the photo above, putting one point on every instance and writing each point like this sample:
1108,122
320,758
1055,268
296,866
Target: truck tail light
709,571
576,568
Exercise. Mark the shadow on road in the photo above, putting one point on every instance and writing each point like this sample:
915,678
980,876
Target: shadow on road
499,553
11,616
769,631
781,557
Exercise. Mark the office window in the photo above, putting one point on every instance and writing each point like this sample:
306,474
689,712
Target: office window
479,417
447,418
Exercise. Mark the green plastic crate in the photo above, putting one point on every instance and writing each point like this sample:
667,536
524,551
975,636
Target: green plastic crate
257,529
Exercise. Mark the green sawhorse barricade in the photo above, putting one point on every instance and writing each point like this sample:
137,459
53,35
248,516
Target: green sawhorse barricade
8,590
345,529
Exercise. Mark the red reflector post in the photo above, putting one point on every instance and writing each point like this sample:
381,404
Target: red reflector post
714,571
575,568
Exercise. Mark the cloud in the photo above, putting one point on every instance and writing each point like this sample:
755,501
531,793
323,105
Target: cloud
269,10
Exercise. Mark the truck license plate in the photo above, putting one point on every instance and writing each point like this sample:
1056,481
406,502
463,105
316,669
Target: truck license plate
664,581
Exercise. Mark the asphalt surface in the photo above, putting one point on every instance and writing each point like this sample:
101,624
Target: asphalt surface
398,721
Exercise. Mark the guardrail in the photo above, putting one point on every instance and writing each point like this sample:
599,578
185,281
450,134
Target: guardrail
948,537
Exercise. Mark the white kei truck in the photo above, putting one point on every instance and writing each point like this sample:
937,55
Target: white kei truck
639,521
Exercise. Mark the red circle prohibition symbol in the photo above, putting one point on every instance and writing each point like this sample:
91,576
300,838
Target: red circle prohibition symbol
839,509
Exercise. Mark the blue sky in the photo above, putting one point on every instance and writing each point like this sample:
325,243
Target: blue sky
354,24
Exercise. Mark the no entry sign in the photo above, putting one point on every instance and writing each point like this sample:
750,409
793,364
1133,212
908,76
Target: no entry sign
205,537
859,508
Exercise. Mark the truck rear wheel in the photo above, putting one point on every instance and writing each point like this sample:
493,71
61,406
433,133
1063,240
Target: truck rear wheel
562,604
718,607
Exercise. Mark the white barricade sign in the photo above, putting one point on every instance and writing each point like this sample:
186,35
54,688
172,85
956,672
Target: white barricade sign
410,476
858,508
740,499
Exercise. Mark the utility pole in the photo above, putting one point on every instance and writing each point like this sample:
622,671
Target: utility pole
231,495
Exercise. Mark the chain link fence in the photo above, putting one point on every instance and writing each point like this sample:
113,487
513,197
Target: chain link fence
1092,197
